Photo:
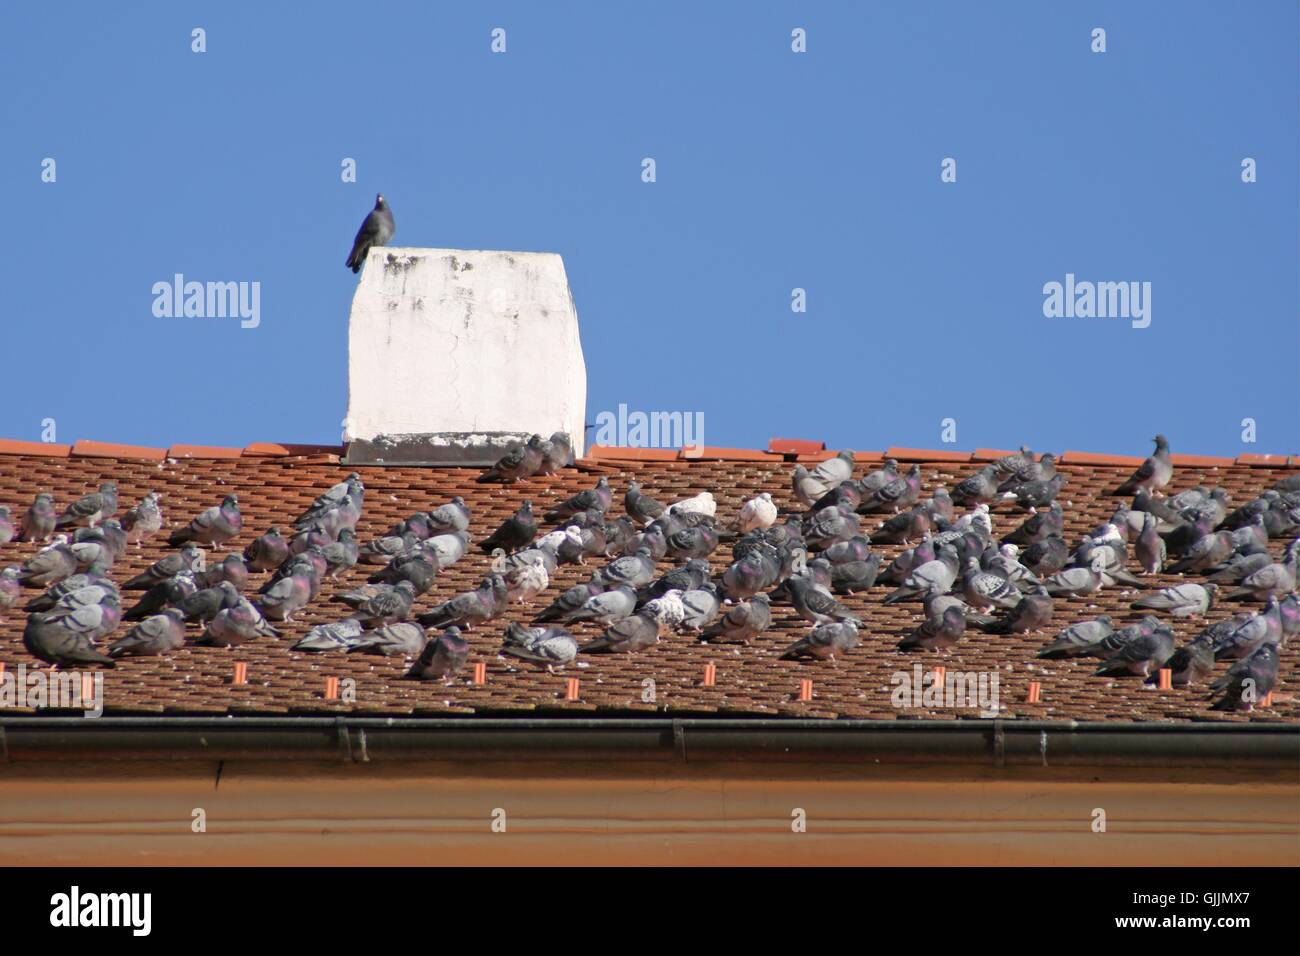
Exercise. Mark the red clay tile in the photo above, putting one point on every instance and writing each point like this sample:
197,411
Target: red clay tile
711,453
869,457
1266,461
1093,458
924,454
1202,461
265,449
990,454
203,451
619,453
795,446
85,448
276,449
36,448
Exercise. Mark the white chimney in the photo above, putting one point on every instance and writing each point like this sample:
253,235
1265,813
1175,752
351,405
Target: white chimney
453,354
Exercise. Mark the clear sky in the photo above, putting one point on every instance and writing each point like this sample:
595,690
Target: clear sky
775,170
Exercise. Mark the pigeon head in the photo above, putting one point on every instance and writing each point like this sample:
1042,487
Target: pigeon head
380,201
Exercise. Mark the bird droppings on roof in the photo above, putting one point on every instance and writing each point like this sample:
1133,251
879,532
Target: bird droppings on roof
274,484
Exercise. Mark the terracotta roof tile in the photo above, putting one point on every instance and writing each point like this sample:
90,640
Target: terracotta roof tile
99,449
749,681
621,453
1093,458
990,454
1268,461
710,452
795,446
203,451
34,448
1206,461
922,454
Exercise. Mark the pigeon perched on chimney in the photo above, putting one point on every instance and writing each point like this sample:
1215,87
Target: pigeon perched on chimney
376,230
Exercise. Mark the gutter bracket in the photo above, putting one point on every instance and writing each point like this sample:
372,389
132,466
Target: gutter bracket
679,740
4,745
999,743
345,740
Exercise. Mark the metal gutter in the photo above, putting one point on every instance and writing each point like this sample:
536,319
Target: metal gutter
996,743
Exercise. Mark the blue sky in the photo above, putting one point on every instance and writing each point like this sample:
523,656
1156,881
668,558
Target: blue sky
775,170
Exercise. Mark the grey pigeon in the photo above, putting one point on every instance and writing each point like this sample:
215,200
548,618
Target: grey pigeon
10,587
598,498
937,632
288,595
826,642
443,656
1248,681
400,639
1140,657
1075,640
1191,663
1273,580
557,454
984,590
980,488
154,635
39,521
551,646
470,608
162,595
341,635
1153,474
640,507
90,509
387,606
742,622
214,526
189,558
932,577
1076,582
815,605
205,604
627,635
517,531
1184,600
568,602
237,624
1033,612
143,520
376,230
850,577
68,639
50,565
1150,547
607,607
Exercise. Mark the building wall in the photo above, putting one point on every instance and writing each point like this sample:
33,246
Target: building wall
342,814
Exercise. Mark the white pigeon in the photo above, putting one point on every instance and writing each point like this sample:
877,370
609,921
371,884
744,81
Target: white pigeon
702,503
757,512
526,582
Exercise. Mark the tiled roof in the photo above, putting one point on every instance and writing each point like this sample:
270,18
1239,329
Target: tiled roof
276,482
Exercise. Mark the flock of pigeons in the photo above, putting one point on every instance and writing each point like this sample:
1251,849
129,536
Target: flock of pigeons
654,577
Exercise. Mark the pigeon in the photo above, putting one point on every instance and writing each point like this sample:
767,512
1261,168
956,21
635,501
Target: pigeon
1150,548
470,608
69,639
442,657
937,632
568,602
742,622
517,531
702,607
635,570
7,530
520,462
214,526
1185,600
980,488
558,454
806,486
898,495
400,639
627,635
525,582
205,604
237,624
162,595
984,590
606,607
1191,663
143,520
1076,582
1140,657
337,636
1038,527
1153,474
288,595
757,512
10,587
231,568
389,605
850,577
449,518
816,605
1075,640
552,646
376,230
50,565
1032,613
189,558
90,509
826,642
1241,635
1248,681
598,498
640,507
1273,580
267,551
879,478
153,636
701,504
1047,556
39,521
1031,495
932,577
